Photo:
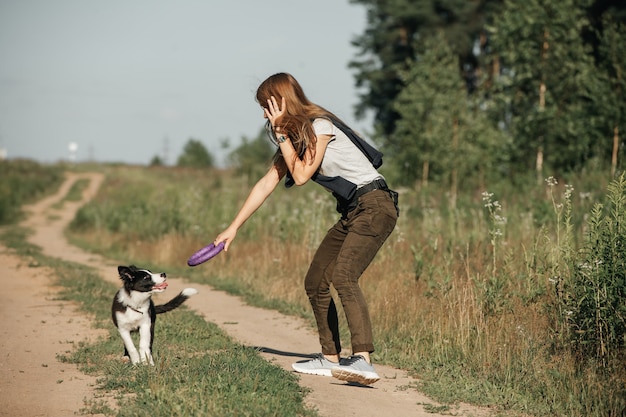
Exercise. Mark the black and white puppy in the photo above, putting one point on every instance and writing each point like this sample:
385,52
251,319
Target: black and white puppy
133,309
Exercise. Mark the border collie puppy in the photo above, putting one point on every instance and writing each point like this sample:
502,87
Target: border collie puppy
133,309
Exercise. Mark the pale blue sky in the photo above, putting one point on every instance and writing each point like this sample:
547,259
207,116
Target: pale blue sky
123,78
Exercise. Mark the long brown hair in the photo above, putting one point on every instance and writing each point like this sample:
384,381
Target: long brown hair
297,122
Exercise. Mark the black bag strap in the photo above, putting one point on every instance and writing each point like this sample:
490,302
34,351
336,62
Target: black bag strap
373,154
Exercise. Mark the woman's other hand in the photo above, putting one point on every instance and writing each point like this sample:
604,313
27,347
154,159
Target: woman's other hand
274,112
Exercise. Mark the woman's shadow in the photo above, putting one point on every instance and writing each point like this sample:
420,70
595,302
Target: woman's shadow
272,351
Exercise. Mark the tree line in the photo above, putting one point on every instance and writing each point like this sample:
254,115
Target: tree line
470,89
476,89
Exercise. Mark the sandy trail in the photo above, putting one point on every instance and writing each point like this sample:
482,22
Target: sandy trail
35,383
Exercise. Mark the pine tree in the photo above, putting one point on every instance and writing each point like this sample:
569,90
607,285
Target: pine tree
612,89
387,47
440,133
548,77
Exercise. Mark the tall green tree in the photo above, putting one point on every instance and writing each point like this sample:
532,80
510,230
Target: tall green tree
546,73
388,47
441,133
547,80
195,155
611,108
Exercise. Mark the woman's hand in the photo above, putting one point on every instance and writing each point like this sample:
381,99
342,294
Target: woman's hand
274,112
227,236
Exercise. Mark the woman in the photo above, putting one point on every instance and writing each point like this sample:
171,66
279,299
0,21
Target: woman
314,144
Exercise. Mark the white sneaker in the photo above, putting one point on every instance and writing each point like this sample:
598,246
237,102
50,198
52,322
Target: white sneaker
355,369
316,366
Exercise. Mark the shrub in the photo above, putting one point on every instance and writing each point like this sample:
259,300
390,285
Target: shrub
595,295
23,181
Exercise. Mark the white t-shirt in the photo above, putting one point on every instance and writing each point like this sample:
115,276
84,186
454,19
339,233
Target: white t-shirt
342,158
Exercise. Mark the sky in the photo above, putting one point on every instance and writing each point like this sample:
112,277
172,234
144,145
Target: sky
127,80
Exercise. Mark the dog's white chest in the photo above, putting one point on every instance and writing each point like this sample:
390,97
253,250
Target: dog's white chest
136,314
131,319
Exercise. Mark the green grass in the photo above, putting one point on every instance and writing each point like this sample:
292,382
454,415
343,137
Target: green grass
23,181
465,294
198,369
462,295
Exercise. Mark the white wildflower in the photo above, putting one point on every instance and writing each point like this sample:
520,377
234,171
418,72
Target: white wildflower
499,219
551,181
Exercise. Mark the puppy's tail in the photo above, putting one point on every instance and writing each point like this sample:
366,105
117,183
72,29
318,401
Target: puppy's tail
176,301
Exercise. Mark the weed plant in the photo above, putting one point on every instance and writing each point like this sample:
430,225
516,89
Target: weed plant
483,298
594,294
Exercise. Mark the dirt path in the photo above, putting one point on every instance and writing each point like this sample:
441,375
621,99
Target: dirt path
36,327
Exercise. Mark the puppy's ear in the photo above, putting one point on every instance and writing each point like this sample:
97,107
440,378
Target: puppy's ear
125,272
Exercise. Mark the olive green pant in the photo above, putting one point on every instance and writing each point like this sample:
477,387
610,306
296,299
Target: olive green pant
344,254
